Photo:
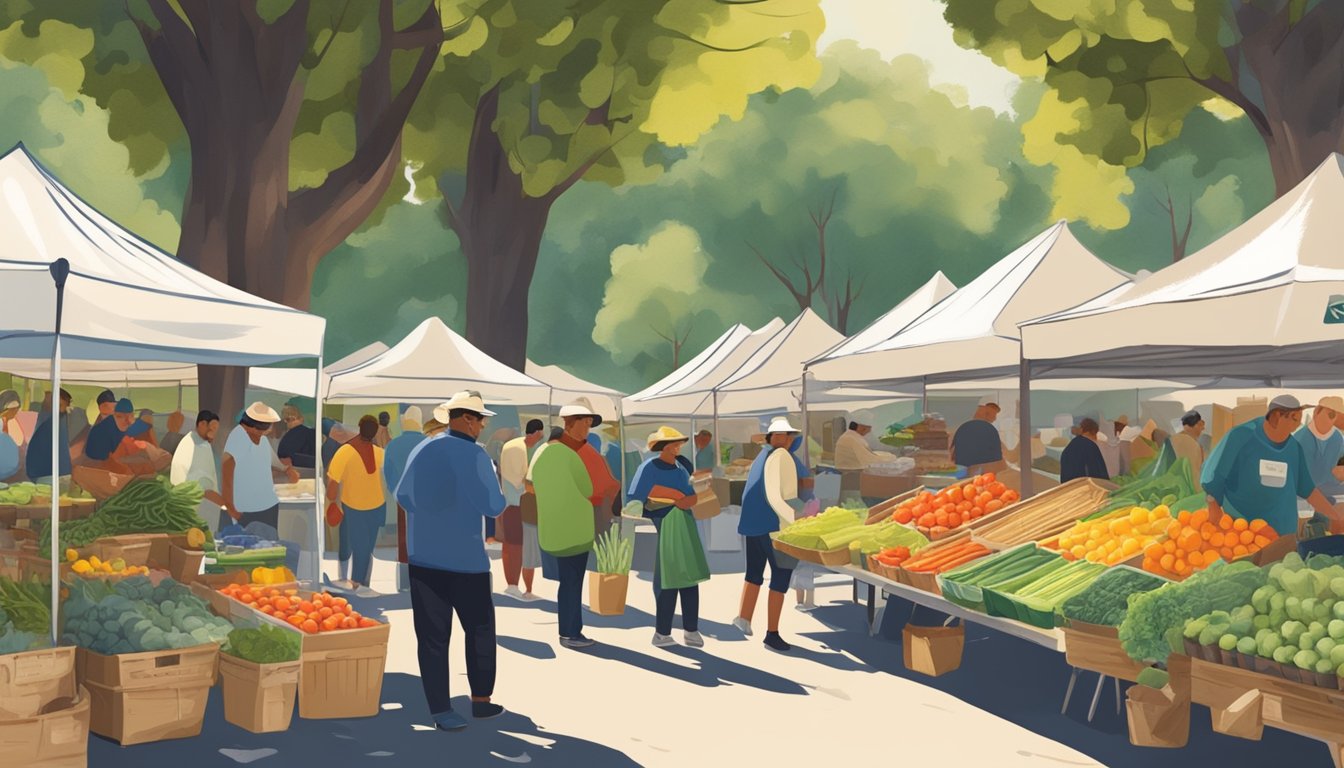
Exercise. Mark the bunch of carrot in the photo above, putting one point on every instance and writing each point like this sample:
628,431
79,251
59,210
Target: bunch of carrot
945,558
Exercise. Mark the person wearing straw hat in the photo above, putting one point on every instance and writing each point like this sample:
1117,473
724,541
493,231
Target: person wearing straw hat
568,503
663,486
448,490
770,496
1258,471
245,471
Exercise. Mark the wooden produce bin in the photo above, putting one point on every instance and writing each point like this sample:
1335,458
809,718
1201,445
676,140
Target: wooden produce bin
57,739
259,697
879,512
1097,649
32,679
1042,516
933,651
137,698
1243,702
342,673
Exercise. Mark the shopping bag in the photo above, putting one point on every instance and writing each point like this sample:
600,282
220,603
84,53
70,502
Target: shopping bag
681,557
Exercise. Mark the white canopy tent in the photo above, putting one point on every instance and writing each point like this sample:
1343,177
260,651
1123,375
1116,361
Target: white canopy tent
686,391
566,386
840,363
78,285
1265,301
429,366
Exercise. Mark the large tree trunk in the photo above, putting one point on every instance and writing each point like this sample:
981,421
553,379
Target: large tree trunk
500,229
1298,106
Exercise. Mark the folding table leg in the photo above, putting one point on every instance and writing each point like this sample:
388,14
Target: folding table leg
872,600
1118,707
855,599
1096,697
1068,692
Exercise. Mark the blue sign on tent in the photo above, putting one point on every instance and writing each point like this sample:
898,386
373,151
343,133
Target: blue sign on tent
1334,311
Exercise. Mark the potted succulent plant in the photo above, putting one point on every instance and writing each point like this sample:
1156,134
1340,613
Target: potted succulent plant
607,588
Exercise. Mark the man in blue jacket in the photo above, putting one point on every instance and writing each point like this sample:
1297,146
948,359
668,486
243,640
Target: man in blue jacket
448,490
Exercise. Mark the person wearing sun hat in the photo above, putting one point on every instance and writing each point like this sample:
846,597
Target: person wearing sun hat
245,471
770,497
1258,471
606,488
448,489
663,486
573,487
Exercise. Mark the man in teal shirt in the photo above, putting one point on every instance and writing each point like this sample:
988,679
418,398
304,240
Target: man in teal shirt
1258,471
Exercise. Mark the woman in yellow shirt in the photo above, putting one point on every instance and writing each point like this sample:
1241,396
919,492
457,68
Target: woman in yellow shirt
355,480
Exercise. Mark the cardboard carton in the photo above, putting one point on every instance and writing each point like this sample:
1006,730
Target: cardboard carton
933,650
31,680
259,697
137,698
56,739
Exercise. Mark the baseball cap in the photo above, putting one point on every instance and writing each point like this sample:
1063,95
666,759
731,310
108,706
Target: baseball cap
990,400
124,406
106,396
1332,402
1285,403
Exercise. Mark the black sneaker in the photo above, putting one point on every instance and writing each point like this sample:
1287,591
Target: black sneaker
776,643
577,642
484,710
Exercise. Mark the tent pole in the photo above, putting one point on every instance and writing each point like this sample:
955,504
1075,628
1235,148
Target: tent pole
620,443
694,452
60,270
807,451
319,519
179,396
718,447
1024,425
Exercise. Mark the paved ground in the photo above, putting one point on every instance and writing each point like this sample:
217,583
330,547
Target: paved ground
841,694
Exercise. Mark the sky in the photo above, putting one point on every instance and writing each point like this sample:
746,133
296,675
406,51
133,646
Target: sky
895,27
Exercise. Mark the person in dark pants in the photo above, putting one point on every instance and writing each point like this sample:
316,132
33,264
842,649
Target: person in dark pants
664,487
1082,457
448,490
771,495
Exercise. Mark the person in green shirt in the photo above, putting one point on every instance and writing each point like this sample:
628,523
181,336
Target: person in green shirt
565,523
1259,472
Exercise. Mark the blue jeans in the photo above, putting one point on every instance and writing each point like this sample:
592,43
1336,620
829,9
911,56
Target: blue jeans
666,599
568,605
359,534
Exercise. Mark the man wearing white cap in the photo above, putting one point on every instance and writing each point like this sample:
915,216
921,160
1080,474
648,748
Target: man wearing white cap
448,490
976,444
245,471
769,498
852,451
1259,472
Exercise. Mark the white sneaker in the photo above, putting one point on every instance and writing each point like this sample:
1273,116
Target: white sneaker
805,607
662,641
514,592
742,625
529,597
367,593
694,639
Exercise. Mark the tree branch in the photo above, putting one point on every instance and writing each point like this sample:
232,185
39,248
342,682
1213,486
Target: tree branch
335,30
174,52
703,44
324,216
779,275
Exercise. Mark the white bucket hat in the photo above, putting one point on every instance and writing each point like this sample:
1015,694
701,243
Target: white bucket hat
581,407
467,401
780,424
262,412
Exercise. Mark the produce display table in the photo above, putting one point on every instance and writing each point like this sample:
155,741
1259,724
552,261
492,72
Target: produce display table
1046,638
1242,702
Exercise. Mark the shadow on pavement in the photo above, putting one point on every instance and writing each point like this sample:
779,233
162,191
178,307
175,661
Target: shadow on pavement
525,647
395,737
1024,684
709,672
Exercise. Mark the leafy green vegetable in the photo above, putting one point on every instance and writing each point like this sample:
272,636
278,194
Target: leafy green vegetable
264,644
1143,633
143,506
1153,677
28,604
133,615
1105,600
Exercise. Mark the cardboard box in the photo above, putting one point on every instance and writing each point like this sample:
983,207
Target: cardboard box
933,650
58,739
707,503
31,680
137,698
259,697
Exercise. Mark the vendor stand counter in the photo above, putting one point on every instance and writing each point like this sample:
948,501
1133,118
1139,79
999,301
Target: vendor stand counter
296,525
1052,639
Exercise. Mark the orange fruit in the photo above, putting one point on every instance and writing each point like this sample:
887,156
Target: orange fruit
309,626
324,612
1240,524
1246,536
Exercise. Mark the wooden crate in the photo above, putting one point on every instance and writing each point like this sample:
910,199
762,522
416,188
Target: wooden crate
928,582
31,680
984,529
342,673
838,556
57,739
1243,702
879,512
1098,650
137,698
